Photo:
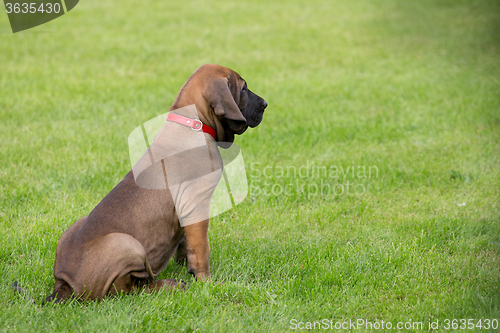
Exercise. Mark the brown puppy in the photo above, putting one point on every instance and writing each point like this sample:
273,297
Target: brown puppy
129,237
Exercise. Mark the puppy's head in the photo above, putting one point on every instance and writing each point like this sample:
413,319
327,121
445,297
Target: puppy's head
223,101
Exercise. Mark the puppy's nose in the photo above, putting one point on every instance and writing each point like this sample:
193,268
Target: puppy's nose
264,103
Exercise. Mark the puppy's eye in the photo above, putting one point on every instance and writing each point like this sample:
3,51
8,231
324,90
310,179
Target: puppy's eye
244,89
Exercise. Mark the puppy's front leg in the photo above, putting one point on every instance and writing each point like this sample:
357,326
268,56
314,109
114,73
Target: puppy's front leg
198,250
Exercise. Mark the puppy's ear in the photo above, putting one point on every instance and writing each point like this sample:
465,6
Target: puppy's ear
221,100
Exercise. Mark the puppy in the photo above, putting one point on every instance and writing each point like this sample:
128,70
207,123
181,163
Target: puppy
162,205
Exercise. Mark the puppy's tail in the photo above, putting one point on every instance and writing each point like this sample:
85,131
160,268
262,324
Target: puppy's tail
22,292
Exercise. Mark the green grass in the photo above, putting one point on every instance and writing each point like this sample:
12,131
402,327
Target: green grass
411,88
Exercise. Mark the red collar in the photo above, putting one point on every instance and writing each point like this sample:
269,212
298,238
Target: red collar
194,124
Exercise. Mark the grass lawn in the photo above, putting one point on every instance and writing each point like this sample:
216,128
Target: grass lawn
374,176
